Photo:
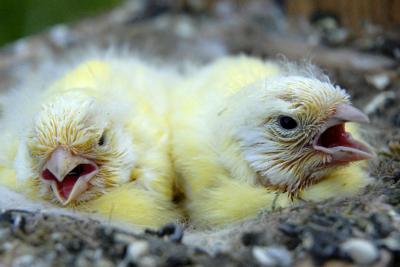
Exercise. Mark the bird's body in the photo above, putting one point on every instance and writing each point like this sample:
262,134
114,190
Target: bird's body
96,140
232,158
109,135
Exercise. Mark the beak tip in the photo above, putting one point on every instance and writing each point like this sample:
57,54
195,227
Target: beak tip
364,120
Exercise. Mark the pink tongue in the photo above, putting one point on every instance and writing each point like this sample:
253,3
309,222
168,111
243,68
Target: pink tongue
66,186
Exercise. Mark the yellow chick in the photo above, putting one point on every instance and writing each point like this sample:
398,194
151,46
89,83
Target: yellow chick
250,135
96,140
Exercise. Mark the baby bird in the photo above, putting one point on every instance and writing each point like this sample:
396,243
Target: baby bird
95,140
251,135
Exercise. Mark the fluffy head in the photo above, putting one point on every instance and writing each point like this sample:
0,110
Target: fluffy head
290,131
84,133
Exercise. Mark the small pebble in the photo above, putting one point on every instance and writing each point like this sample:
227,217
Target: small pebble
272,256
26,260
136,250
98,254
124,238
379,101
82,261
379,81
4,233
104,263
50,256
59,247
184,28
56,236
60,35
360,251
148,261
18,224
7,246
392,242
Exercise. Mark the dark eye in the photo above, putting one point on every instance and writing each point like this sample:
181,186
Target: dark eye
287,122
102,140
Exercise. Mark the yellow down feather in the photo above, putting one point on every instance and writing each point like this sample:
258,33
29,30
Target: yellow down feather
220,185
138,95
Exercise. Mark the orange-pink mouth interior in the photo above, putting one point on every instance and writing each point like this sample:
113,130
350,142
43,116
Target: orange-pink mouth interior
336,136
66,186
336,141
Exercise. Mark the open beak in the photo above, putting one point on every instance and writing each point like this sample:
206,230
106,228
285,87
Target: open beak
335,141
68,175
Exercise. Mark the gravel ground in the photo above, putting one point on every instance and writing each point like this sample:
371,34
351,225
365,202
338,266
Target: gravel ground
364,230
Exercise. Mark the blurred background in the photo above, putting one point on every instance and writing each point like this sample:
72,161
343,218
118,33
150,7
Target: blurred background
25,17
332,33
